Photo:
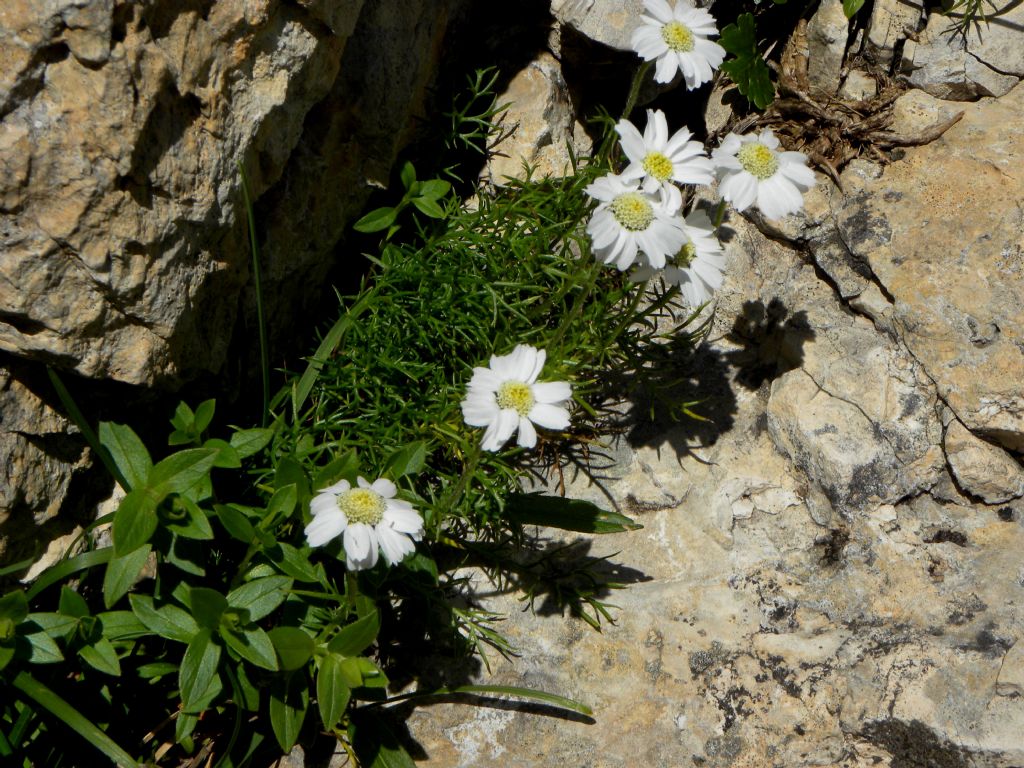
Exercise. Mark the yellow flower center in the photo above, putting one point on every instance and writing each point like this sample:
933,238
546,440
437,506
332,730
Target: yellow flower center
517,396
632,211
677,37
658,166
757,160
686,256
361,505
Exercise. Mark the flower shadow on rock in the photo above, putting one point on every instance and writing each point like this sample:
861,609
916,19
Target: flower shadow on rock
771,342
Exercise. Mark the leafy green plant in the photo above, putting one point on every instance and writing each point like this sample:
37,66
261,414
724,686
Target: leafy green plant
747,68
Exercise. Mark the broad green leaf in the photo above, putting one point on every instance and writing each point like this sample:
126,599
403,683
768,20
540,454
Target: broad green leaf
748,69
418,562
227,457
183,419
434,189
127,451
204,415
71,603
102,656
345,467
289,699
850,7
428,207
207,606
187,519
260,597
53,624
37,647
181,471
72,718
167,621
134,522
567,514
156,669
376,220
198,670
13,610
281,505
294,647
372,675
121,625
186,554
375,744
407,460
294,562
7,648
407,174
235,523
289,472
332,694
253,645
247,695
121,574
351,672
357,636
184,726
248,442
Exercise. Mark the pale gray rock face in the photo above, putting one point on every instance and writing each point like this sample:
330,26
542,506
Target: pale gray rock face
826,42
123,247
610,22
890,24
982,469
122,229
541,122
989,61
811,586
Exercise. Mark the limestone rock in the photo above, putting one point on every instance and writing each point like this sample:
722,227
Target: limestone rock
541,122
889,25
122,126
948,66
858,86
942,232
982,469
39,458
1011,673
610,22
826,41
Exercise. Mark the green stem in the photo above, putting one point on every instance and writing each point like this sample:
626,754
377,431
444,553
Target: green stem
719,214
634,89
261,320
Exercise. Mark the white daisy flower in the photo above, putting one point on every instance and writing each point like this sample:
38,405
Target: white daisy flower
507,396
628,220
698,267
677,36
659,159
369,517
752,171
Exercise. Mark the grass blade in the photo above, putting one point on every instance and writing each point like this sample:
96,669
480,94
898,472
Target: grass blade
261,320
60,709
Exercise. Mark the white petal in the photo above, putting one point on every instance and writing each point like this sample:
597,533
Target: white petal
403,520
394,545
360,546
323,502
339,487
527,434
659,9
480,410
384,487
362,482
501,430
740,189
665,69
631,141
552,391
778,197
325,527
549,416
484,379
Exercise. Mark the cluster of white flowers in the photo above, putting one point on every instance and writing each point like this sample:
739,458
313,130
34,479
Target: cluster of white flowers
638,221
639,218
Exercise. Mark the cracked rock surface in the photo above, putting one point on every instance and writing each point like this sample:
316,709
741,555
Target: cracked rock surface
830,571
